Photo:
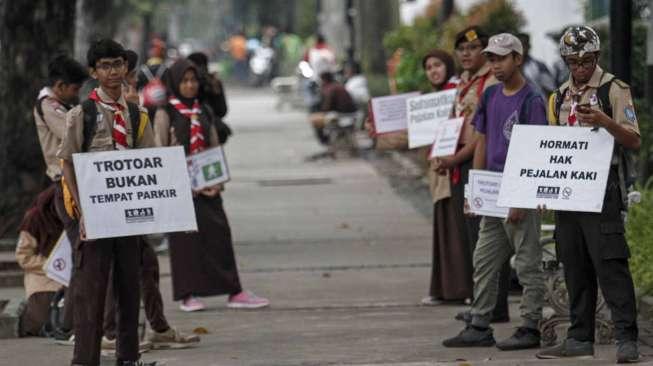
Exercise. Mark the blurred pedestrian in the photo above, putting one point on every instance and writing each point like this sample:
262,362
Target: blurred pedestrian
213,94
535,71
335,99
237,46
203,263
356,84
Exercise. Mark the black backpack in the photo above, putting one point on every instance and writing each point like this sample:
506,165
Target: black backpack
90,121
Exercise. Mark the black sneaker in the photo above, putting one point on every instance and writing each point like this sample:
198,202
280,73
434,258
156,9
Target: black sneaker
471,337
524,338
570,348
627,352
466,316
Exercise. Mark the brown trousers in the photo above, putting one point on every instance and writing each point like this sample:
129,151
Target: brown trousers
150,292
71,227
93,263
35,316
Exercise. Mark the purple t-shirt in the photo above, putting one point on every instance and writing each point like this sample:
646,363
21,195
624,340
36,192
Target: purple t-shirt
496,119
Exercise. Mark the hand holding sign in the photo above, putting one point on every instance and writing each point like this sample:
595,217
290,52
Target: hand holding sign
447,135
425,113
208,169
561,168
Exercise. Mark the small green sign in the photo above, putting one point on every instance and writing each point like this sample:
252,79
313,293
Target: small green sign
212,171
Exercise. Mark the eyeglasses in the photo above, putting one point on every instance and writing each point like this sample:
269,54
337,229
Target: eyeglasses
107,66
585,63
469,48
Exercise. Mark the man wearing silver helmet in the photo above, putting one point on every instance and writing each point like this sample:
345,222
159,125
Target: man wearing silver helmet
592,246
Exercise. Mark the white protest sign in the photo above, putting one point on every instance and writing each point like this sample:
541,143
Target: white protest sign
561,167
390,112
425,114
208,168
483,192
447,135
134,192
59,265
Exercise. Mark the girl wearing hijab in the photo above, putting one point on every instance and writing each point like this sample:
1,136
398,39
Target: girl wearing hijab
37,236
450,280
202,262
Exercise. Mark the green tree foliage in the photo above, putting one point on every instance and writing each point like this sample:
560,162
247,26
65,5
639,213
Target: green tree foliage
640,235
495,16
31,33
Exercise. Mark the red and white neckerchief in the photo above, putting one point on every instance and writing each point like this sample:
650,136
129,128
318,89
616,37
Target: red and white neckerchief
196,133
575,99
119,131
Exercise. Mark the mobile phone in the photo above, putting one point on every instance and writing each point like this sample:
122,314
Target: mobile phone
583,108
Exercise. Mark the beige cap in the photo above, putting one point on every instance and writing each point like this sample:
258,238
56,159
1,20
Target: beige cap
503,44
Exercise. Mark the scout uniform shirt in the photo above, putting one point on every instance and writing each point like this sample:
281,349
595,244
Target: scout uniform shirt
102,140
50,129
470,89
623,110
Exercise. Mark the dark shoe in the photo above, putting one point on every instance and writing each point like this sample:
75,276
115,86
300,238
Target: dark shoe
135,363
627,352
524,338
466,316
500,318
570,348
471,337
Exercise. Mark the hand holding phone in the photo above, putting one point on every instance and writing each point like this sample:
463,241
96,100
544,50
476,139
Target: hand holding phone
583,108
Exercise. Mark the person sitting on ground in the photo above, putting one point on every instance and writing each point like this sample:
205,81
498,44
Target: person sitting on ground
38,234
335,98
356,84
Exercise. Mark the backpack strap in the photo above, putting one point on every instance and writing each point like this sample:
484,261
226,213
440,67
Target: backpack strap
89,110
135,120
487,94
603,94
147,72
559,97
39,107
525,109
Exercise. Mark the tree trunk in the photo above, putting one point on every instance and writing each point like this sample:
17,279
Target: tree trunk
374,19
31,33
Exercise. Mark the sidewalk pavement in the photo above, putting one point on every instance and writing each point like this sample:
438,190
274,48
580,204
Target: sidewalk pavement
343,258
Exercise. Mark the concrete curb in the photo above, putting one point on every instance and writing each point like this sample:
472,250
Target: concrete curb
9,319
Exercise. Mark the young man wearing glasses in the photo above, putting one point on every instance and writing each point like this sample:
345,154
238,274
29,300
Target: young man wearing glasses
110,127
476,78
593,246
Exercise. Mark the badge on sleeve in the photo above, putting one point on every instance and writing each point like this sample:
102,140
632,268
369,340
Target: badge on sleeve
629,112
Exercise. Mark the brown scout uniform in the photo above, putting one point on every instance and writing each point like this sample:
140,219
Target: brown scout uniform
51,129
623,110
593,246
94,260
